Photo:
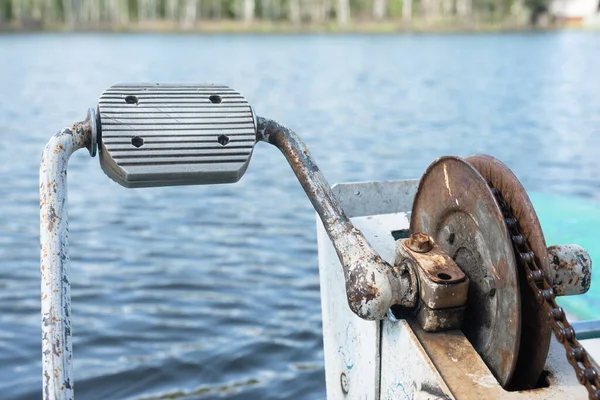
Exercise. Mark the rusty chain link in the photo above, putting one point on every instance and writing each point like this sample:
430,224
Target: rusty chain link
586,373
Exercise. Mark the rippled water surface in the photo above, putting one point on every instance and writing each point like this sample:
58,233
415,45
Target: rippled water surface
201,292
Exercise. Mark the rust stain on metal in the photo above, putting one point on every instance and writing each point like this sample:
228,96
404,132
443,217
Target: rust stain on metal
438,266
419,242
370,287
55,293
468,225
571,269
459,364
535,330
443,286
374,289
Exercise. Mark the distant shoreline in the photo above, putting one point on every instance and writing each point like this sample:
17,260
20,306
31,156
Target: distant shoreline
264,27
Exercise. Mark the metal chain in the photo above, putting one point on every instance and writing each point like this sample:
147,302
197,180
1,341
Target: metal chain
586,373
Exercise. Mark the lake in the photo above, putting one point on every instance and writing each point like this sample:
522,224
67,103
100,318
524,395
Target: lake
213,291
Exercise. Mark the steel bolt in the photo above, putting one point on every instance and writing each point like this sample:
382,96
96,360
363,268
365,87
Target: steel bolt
344,382
489,286
419,242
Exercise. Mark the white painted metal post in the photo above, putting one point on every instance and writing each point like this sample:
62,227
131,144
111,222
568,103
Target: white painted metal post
56,292
351,344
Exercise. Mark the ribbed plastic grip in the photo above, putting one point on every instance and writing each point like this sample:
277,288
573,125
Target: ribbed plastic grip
166,134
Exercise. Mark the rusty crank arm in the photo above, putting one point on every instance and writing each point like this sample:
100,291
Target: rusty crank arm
163,135
372,285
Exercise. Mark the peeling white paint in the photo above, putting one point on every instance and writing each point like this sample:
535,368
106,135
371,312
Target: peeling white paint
57,352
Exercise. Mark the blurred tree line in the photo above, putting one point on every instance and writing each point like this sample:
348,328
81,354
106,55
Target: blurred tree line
190,14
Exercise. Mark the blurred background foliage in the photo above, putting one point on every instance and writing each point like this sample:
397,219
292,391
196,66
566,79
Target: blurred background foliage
294,14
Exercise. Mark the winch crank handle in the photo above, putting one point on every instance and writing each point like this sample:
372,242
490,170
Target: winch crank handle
57,348
372,285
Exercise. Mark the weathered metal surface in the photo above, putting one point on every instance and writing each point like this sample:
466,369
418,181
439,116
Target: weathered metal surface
455,206
438,320
468,378
406,370
571,268
372,284
419,243
351,344
373,198
165,134
443,286
56,297
586,369
535,329
442,283
503,179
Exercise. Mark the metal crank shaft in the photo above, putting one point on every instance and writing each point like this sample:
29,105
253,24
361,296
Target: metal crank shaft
372,285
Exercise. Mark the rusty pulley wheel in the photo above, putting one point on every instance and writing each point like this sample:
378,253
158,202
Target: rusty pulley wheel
535,329
456,207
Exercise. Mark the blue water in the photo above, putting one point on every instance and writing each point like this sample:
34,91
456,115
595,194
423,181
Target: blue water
204,292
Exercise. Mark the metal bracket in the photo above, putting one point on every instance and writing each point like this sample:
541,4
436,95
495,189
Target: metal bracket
443,286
